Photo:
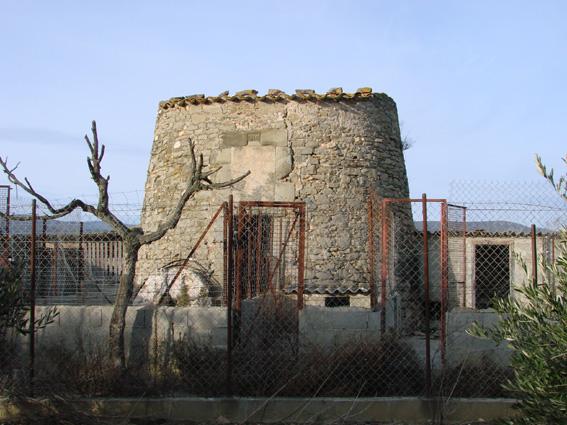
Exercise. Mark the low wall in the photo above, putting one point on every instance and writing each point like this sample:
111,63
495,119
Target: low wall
80,325
331,327
463,347
85,327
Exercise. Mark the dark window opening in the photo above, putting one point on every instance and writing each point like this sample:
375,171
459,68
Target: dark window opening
434,310
337,301
492,274
256,249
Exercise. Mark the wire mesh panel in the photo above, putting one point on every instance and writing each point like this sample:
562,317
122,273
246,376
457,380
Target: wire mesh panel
509,207
457,252
78,257
509,225
16,347
268,293
269,243
418,264
77,267
12,359
419,257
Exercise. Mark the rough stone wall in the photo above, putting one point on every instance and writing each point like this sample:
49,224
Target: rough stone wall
328,152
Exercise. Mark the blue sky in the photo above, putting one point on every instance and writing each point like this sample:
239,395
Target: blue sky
480,85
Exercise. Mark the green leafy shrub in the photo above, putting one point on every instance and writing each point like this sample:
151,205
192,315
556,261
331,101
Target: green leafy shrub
480,378
183,297
536,331
15,306
14,322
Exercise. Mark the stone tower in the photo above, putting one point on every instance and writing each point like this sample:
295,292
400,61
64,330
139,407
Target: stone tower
328,150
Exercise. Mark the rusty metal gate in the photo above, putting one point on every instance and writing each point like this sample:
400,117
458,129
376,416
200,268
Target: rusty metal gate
270,249
265,281
263,258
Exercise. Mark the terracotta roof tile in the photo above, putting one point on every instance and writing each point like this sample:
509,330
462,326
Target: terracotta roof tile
273,95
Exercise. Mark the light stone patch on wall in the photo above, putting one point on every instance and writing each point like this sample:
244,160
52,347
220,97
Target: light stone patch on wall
260,160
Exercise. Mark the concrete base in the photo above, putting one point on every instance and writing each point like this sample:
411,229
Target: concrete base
302,410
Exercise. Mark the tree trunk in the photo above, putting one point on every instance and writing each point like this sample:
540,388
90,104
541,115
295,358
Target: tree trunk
123,298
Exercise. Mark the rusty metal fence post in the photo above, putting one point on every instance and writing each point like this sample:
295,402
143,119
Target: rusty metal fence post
238,274
81,262
32,266
384,249
426,297
229,279
371,253
301,258
534,254
443,264
464,256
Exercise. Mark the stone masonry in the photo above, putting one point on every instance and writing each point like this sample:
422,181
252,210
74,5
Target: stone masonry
328,150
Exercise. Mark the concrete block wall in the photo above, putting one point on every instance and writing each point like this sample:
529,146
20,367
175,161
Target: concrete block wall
463,347
333,327
86,327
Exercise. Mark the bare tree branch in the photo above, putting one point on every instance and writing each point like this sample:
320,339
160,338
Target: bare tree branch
94,164
27,187
211,172
172,219
89,143
199,181
211,186
193,161
101,211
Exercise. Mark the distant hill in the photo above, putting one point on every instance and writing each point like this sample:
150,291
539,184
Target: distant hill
57,227
60,227
498,226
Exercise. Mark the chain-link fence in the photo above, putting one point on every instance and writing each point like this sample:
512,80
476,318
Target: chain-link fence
418,253
236,310
78,259
511,228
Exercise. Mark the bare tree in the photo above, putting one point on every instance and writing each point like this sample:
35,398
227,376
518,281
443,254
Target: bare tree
406,141
133,238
